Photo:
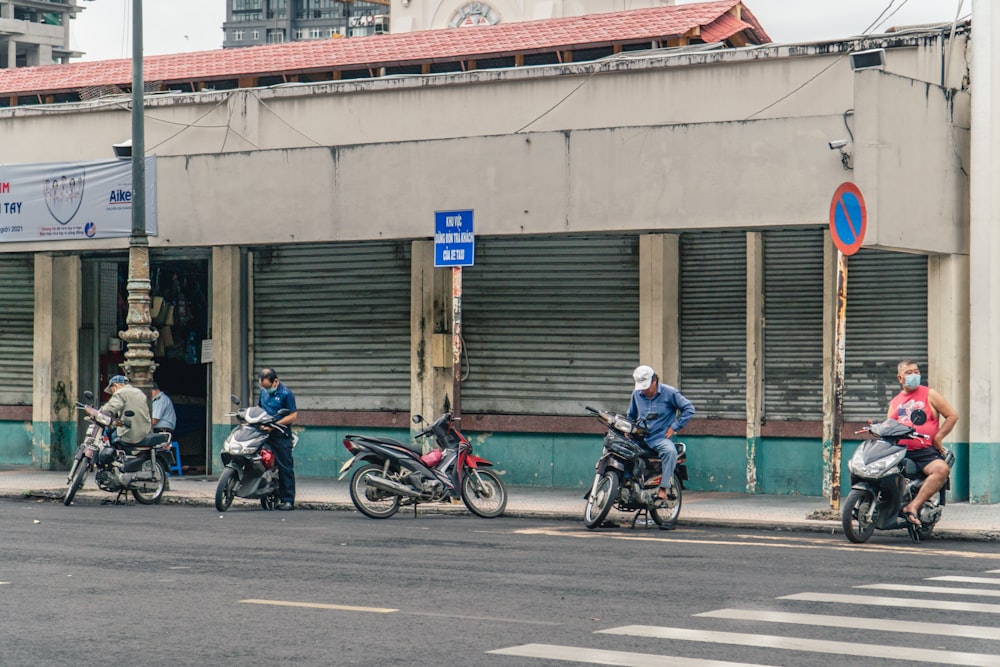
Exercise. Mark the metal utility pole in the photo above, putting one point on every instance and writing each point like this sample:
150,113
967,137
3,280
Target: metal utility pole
139,336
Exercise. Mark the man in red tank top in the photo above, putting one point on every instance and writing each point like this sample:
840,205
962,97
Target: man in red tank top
941,419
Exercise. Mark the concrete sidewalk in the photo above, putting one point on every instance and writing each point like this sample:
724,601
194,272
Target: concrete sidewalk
762,512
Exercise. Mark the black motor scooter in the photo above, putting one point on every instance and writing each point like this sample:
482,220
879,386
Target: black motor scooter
251,471
884,481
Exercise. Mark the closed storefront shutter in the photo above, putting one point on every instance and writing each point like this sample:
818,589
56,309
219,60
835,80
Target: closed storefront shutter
793,324
713,322
334,321
17,326
886,322
550,324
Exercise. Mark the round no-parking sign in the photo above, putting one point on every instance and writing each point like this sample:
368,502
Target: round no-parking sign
848,218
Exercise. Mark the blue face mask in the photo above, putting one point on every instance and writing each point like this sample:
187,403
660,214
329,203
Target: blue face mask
270,390
912,381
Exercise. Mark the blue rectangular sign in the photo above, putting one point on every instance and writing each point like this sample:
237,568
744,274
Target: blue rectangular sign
454,240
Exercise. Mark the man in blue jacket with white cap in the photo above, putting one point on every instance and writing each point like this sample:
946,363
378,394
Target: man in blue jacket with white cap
673,412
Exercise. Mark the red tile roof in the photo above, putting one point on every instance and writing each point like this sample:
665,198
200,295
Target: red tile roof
713,19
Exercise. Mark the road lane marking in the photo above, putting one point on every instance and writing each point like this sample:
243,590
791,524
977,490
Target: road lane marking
828,620
984,592
827,546
909,603
966,580
316,605
593,656
808,645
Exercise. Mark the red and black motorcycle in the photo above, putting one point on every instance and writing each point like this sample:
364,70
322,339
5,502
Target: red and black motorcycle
395,473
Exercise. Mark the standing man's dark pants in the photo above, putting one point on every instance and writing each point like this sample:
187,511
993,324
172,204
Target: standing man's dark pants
281,444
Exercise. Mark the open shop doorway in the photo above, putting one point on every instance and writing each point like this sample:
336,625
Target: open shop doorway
180,289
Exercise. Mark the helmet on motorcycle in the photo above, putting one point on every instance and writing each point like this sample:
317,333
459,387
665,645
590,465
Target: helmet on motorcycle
267,458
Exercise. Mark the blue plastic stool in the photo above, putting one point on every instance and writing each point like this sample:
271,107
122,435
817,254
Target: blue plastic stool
176,468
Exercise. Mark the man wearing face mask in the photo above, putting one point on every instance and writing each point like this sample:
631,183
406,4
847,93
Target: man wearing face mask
941,419
274,396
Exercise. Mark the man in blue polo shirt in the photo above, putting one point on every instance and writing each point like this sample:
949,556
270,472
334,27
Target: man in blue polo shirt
274,396
673,411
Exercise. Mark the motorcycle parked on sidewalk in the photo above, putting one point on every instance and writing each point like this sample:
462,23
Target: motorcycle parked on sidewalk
120,467
628,474
396,474
884,481
251,470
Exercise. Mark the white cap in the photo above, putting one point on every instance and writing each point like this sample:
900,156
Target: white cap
643,376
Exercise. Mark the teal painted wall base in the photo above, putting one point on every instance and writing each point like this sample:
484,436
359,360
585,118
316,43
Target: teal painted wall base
984,472
15,443
52,444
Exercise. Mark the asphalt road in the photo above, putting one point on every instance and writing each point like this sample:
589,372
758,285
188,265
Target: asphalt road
181,585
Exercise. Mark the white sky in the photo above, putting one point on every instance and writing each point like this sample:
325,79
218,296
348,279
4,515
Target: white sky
103,29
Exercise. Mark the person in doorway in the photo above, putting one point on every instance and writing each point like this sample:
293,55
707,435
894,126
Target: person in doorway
164,414
126,397
274,396
673,412
928,454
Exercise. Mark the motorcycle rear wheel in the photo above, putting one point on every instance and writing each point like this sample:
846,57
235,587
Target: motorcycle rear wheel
483,493
856,529
79,476
668,510
151,497
226,489
601,500
374,503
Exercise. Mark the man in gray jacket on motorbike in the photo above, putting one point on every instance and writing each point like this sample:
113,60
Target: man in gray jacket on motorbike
126,397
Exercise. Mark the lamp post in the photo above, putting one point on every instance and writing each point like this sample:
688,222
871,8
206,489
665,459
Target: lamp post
139,336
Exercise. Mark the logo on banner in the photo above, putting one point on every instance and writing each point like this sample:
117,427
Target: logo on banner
63,193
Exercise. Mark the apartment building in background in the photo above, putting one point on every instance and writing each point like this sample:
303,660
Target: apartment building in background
36,32
255,22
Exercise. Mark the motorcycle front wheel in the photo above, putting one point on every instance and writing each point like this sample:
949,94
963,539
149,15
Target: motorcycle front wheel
856,528
79,475
226,489
667,511
602,498
483,493
372,501
150,492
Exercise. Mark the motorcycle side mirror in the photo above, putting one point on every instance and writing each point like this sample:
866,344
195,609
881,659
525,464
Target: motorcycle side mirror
234,399
89,395
652,416
129,413
918,417
416,419
283,411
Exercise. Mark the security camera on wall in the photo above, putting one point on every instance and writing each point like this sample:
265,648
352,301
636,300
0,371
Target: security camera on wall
123,151
837,143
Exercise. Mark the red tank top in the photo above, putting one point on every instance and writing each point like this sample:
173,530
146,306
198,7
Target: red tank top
903,405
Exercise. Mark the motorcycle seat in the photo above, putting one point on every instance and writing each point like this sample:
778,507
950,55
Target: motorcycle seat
151,440
389,441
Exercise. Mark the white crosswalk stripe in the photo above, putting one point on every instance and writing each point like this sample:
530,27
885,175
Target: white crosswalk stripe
966,580
943,590
914,650
592,656
831,621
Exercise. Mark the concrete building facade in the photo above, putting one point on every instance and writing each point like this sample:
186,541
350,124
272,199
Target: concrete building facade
666,207
36,32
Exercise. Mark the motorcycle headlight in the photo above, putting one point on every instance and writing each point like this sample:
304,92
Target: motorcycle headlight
234,447
873,469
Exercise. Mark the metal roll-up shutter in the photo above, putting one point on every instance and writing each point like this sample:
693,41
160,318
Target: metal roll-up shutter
334,322
886,322
551,324
793,324
713,322
17,328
